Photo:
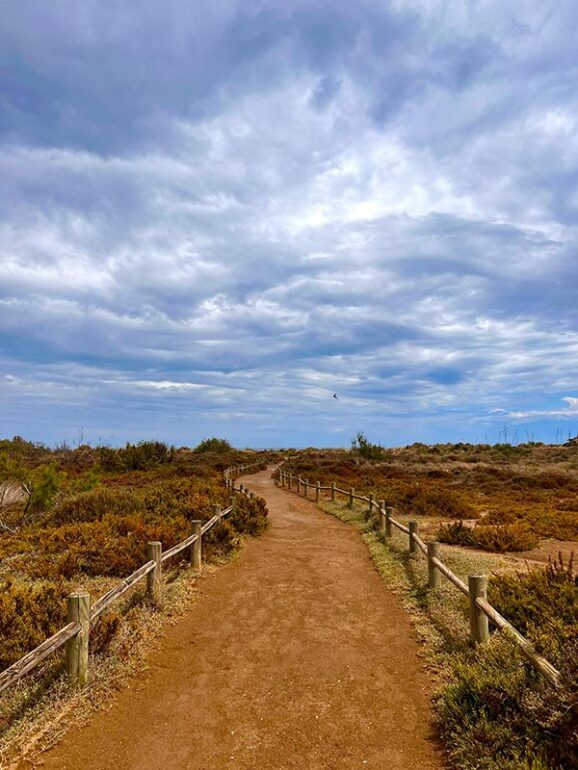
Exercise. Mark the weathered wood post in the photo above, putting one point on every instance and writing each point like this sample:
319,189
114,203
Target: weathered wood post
370,506
154,553
298,485
433,575
388,515
412,525
479,627
381,509
351,495
78,609
218,510
332,491
290,480
305,487
317,485
197,546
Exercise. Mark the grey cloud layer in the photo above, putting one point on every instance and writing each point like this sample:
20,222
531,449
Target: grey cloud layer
217,209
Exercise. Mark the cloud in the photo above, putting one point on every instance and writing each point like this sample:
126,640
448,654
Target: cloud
231,211
569,412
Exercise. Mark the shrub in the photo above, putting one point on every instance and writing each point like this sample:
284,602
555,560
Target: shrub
456,533
113,546
146,454
494,699
508,537
541,603
364,448
438,501
93,505
491,710
511,537
134,457
28,615
250,516
213,445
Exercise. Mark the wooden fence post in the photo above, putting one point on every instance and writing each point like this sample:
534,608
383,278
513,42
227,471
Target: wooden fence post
317,485
388,515
154,553
332,491
78,608
351,494
370,506
290,479
479,627
412,531
197,546
218,511
433,575
298,485
382,520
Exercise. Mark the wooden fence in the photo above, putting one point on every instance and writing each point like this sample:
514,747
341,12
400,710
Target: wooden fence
81,615
480,610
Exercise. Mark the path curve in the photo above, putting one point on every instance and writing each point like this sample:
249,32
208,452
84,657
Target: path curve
294,655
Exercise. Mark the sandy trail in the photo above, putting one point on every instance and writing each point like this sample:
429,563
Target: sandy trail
295,655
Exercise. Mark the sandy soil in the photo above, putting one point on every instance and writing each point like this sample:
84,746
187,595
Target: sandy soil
295,655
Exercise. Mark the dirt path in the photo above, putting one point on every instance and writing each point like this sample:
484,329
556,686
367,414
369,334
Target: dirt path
295,655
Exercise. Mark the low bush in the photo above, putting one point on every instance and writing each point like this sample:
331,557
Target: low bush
94,505
435,501
250,516
134,457
561,524
29,613
496,699
508,537
213,445
496,713
541,603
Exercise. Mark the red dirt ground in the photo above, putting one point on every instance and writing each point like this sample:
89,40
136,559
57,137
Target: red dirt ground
294,655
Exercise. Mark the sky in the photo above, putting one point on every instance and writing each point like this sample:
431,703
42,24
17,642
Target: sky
215,215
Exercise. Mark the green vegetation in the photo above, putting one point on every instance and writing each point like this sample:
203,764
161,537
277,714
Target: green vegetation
494,700
364,448
214,445
136,457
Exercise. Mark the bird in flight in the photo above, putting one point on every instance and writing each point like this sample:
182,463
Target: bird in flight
335,396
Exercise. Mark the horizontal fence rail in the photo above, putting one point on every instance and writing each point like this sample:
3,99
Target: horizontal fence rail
81,615
481,611
32,659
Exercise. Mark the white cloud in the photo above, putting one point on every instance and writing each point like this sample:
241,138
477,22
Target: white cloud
387,210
